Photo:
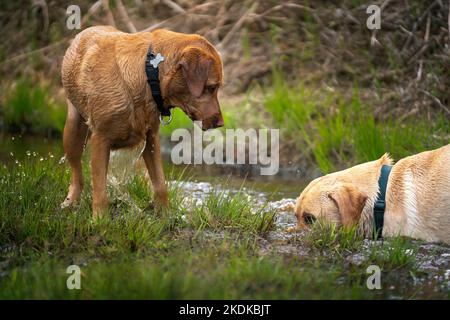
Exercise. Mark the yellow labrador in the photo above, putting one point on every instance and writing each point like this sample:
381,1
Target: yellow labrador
417,197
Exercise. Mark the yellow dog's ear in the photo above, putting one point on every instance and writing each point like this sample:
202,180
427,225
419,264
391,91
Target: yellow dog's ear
350,202
195,64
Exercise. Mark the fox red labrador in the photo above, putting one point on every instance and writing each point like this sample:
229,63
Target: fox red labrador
109,93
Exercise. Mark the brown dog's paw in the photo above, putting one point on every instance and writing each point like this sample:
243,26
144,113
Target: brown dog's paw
67,204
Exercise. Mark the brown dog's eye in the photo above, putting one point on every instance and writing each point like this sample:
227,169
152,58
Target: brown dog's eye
211,89
308,218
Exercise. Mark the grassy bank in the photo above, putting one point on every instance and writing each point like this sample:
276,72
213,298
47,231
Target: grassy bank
32,108
335,128
214,250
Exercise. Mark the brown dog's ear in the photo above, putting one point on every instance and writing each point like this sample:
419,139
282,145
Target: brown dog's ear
195,65
350,202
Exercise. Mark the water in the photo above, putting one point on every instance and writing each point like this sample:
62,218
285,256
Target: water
287,183
18,145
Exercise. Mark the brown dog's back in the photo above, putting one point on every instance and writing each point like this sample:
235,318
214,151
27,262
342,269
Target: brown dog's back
103,75
77,59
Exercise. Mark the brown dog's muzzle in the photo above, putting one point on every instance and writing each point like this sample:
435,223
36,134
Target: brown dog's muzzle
212,122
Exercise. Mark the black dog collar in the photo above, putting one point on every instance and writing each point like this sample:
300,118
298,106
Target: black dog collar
380,204
152,72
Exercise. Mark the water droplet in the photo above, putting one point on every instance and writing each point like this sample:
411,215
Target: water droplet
41,159
28,153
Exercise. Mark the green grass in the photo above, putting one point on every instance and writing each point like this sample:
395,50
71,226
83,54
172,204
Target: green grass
222,211
222,273
325,236
335,131
398,252
181,120
211,250
34,220
29,107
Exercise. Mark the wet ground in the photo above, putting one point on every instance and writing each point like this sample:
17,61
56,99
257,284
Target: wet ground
431,276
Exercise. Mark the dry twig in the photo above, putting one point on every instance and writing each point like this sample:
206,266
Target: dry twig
174,6
237,26
124,15
109,15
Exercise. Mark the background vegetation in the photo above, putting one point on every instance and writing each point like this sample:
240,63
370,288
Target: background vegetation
340,92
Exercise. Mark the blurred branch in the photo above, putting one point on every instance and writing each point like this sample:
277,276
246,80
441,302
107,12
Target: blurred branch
174,6
237,26
124,15
43,5
40,50
436,100
285,5
92,10
109,15
177,16
418,23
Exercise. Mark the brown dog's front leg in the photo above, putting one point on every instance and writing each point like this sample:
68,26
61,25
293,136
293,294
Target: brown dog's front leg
152,158
99,168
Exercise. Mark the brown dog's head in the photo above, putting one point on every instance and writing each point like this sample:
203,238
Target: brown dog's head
195,84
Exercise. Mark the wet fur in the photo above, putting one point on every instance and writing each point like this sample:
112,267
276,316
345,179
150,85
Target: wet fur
106,87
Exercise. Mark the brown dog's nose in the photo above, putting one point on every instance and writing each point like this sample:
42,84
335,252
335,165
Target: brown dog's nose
213,122
219,122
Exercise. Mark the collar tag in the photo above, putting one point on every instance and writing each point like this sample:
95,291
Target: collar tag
156,60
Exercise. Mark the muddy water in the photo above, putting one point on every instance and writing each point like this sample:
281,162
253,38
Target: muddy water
279,191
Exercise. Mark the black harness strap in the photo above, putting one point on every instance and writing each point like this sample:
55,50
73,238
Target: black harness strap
153,81
380,204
